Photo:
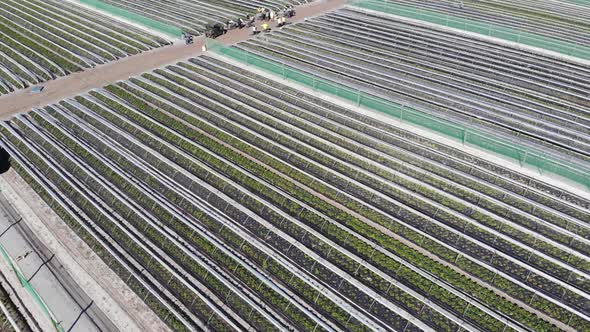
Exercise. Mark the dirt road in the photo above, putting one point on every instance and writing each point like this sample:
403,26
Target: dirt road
56,90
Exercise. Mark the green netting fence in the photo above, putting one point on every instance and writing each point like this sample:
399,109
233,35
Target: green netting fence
524,155
505,33
579,2
147,22
29,288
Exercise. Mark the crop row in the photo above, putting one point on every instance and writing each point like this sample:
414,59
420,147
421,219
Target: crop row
542,18
493,187
240,244
201,242
518,108
274,181
256,208
201,12
293,209
87,218
293,253
347,320
291,159
11,317
416,148
449,188
42,40
193,87
531,105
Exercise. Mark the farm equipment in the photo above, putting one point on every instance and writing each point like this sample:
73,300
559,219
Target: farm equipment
215,30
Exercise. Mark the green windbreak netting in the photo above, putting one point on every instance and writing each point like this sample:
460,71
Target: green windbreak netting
25,283
482,28
579,2
164,28
525,156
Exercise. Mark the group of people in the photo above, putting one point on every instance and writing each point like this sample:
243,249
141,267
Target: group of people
265,14
262,14
188,38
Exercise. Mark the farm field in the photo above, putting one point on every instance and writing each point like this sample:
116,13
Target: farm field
230,201
11,319
558,20
539,101
193,16
284,182
44,40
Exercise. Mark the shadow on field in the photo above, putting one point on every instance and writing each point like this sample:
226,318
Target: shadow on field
4,161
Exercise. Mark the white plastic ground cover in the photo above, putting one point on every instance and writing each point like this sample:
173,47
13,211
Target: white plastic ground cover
407,264
555,181
316,234
507,256
193,16
259,47
505,16
442,208
428,277
96,139
357,314
168,91
522,120
122,20
477,36
575,140
44,40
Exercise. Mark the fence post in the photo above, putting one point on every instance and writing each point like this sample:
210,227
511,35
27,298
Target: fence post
526,153
540,166
284,71
573,50
358,98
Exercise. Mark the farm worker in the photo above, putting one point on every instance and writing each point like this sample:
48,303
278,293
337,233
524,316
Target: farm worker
265,27
272,15
283,20
254,30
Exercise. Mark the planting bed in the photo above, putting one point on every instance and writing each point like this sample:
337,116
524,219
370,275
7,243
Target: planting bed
193,16
536,100
43,40
560,21
231,201
11,318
